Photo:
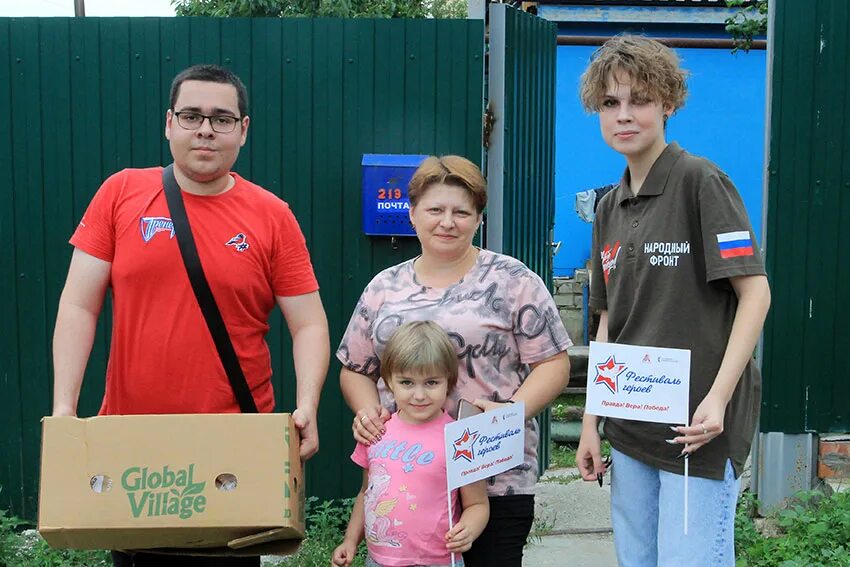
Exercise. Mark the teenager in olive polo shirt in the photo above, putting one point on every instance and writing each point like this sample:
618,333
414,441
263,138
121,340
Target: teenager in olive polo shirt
675,264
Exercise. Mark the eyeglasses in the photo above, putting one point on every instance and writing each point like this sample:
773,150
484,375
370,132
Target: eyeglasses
221,123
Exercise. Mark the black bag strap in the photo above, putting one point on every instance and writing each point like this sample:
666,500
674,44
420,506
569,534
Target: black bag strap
203,293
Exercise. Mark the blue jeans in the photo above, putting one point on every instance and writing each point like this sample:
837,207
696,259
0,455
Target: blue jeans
647,513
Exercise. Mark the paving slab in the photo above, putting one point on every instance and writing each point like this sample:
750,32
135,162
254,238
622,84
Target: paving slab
565,502
596,550
565,505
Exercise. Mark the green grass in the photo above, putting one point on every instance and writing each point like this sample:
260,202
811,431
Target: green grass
561,456
570,400
562,402
561,478
542,524
326,522
326,527
813,530
17,550
564,456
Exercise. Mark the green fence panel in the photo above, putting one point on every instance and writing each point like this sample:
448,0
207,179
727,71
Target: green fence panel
87,97
10,417
808,220
527,128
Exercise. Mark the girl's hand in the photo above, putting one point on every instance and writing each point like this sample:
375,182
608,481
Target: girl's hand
344,554
368,425
705,426
458,539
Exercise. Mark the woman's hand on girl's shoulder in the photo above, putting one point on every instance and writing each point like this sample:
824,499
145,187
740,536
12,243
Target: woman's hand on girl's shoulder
368,425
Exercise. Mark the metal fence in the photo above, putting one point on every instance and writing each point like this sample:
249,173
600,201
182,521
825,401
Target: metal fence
83,98
808,220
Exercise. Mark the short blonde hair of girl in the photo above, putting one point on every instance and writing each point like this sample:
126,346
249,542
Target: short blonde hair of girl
654,70
420,347
449,170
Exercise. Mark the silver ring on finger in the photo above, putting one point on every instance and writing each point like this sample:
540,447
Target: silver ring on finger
364,419
704,430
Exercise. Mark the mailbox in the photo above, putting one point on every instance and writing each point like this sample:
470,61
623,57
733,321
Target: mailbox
385,204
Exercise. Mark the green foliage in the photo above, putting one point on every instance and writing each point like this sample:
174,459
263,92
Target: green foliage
570,400
542,524
322,8
559,412
564,401
564,456
20,550
561,456
8,536
749,21
326,523
561,478
814,530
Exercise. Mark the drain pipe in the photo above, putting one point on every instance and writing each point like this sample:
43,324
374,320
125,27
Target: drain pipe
699,42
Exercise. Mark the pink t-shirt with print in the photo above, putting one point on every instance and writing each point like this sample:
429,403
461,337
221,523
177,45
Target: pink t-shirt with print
501,318
405,505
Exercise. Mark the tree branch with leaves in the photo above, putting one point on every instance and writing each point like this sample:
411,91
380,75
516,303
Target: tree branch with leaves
321,8
749,21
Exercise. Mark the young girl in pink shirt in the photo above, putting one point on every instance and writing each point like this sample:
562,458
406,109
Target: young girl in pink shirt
402,507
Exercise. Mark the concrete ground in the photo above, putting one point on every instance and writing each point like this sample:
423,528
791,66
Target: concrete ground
565,507
572,550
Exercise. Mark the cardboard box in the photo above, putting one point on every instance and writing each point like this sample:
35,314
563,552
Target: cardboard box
218,484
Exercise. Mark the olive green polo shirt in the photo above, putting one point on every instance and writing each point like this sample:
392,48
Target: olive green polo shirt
661,262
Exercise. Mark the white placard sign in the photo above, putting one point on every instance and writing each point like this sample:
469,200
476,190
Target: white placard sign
638,382
485,444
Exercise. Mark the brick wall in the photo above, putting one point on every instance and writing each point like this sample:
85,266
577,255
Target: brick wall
570,301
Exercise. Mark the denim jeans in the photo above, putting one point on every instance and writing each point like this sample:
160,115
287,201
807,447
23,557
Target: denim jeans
647,513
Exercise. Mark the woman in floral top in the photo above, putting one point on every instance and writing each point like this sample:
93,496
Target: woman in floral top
510,341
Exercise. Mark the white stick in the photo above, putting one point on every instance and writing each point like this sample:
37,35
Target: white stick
449,492
686,493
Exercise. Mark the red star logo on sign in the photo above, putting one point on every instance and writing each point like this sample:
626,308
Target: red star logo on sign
463,445
607,372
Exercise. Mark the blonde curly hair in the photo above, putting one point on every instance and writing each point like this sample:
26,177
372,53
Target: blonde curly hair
654,70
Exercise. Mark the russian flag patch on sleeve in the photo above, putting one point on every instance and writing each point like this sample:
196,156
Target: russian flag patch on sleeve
734,244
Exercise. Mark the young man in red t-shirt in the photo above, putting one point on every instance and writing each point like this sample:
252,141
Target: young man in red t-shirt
162,358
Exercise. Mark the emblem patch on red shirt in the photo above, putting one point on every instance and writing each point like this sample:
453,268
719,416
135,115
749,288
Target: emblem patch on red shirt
609,258
240,242
151,226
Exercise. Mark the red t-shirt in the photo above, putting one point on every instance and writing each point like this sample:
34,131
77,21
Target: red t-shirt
162,357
